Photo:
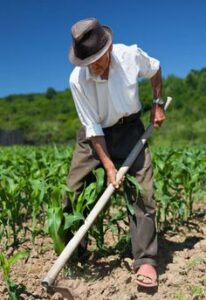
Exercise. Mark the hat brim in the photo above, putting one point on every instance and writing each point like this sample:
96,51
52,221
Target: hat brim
89,60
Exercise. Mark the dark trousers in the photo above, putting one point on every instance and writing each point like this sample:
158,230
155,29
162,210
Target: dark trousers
120,140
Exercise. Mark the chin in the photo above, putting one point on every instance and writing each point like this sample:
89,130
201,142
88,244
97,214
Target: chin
98,73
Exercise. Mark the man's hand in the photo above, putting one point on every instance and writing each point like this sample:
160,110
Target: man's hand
157,116
111,177
157,113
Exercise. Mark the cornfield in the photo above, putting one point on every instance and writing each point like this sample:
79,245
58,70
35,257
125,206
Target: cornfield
33,184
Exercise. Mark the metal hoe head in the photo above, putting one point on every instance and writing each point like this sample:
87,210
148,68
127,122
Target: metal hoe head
52,289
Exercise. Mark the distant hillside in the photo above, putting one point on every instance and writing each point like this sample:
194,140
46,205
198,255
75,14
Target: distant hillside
41,118
51,117
186,118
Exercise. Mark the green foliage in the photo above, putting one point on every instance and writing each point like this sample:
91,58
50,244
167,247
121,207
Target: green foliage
50,93
32,182
197,292
51,117
54,225
83,203
33,185
185,120
181,296
179,180
42,118
5,267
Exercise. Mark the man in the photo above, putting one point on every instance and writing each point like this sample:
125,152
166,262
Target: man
105,91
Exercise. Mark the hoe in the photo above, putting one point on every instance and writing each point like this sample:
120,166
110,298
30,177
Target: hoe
74,242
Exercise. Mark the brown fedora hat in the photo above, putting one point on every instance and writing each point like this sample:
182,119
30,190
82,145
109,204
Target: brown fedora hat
90,41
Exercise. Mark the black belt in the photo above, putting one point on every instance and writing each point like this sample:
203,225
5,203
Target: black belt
128,119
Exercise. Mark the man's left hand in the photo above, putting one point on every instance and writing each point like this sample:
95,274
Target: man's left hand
157,115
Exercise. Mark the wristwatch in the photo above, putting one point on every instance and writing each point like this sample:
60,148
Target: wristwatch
158,101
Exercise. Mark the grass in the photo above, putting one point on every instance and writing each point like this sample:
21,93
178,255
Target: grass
197,292
180,296
196,261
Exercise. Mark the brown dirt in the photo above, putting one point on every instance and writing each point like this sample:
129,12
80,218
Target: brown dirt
182,265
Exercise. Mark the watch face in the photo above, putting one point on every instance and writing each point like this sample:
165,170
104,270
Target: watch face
158,101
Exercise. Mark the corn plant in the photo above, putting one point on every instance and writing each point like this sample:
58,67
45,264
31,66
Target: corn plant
111,215
179,180
32,185
5,267
55,218
12,205
28,178
81,205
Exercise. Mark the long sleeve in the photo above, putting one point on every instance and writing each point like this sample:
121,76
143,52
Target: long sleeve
86,112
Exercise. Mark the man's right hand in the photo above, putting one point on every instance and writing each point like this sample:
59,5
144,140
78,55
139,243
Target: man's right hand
112,177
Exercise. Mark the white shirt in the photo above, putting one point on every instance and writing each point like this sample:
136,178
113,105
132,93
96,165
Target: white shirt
101,103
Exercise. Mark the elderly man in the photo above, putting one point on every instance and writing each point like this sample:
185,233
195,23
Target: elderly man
104,86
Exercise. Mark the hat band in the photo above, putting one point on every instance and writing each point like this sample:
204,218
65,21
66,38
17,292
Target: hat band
90,47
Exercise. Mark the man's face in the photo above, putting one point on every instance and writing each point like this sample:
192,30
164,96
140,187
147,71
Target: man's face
99,67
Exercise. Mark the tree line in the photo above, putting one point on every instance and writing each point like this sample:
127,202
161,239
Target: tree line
50,117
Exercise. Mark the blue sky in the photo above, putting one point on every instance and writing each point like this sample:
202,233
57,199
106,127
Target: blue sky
35,37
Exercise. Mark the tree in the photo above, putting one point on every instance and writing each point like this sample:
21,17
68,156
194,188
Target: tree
51,93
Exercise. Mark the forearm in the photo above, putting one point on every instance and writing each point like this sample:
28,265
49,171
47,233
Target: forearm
156,82
100,147
157,112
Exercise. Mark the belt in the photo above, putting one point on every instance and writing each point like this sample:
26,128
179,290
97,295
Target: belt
128,119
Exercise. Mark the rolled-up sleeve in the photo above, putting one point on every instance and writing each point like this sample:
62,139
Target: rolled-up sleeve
148,66
87,114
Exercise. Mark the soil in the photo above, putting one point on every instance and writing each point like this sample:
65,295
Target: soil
181,268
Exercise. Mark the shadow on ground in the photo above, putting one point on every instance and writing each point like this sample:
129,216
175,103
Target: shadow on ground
98,265
167,248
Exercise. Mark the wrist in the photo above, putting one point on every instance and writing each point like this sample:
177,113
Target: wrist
158,101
